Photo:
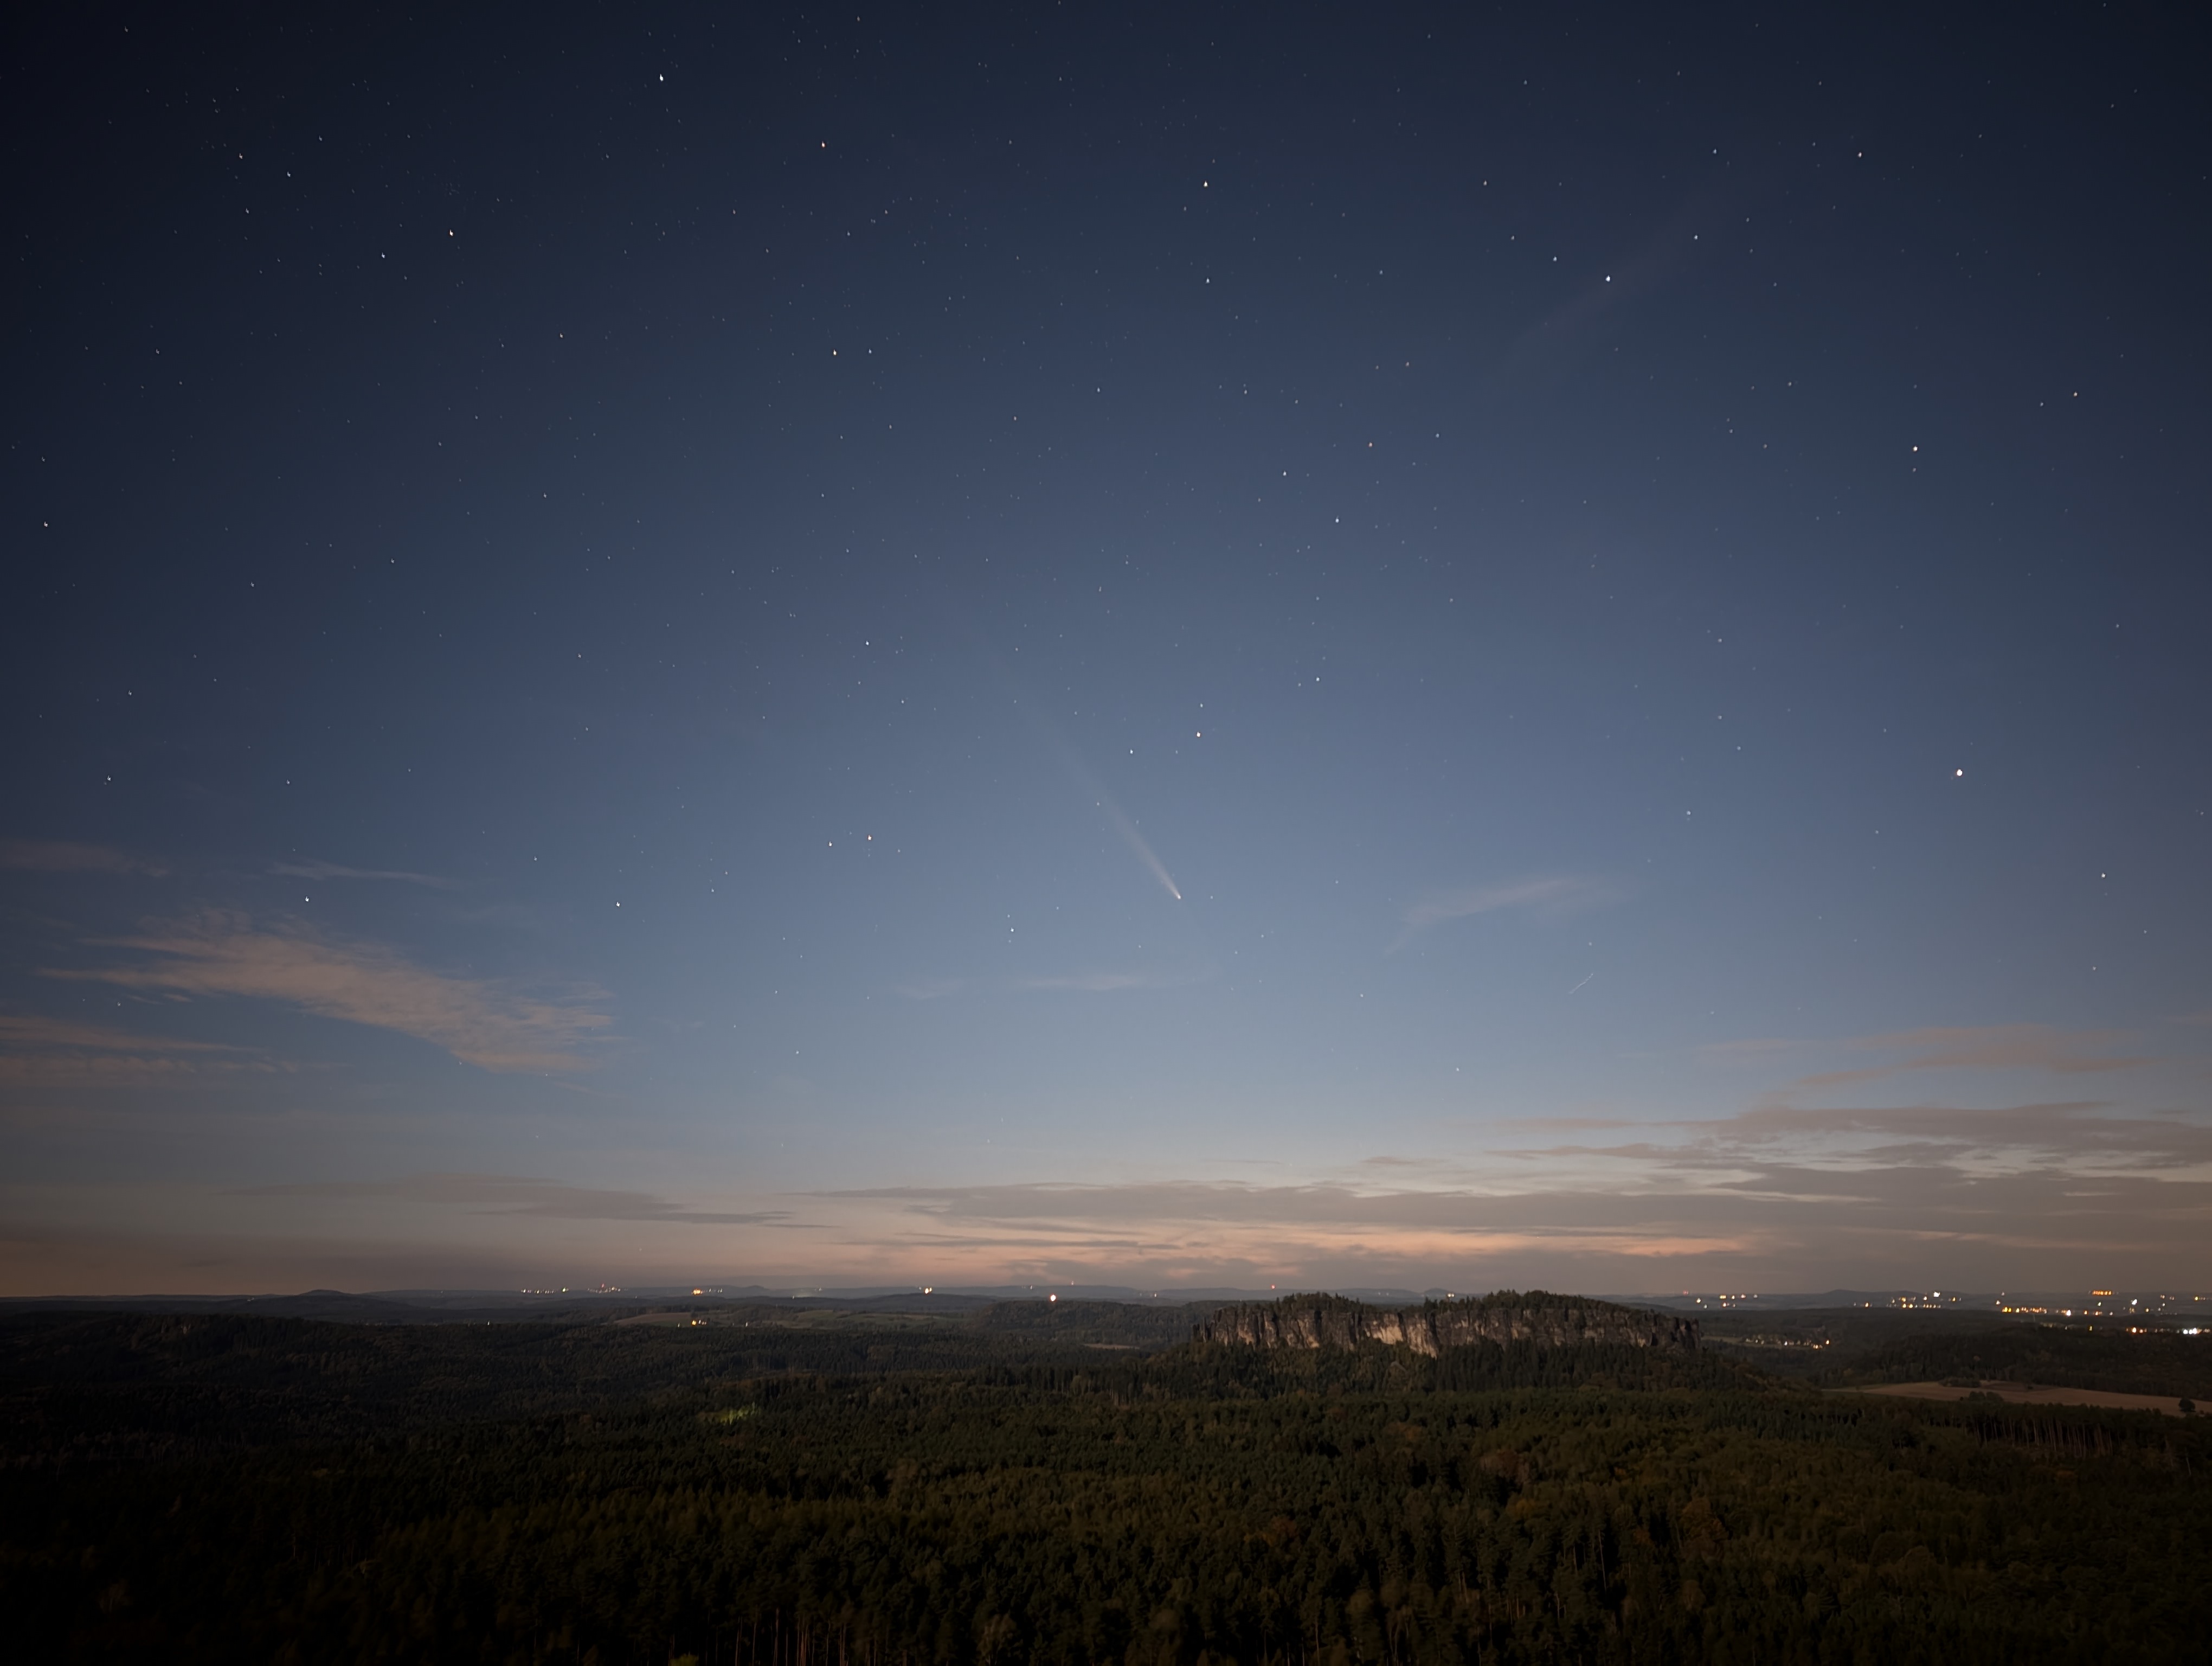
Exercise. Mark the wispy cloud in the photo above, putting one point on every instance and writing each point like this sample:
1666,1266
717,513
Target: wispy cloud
1553,891
2065,1132
2004,1046
62,856
1986,1046
55,1035
1099,982
1787,1195
1216,1227
1791,1198
520,1194
321,870
493,1025
931,988
44,1052
1096,983
2076,1134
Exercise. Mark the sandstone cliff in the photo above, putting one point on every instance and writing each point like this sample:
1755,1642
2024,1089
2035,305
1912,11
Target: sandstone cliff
1332,1322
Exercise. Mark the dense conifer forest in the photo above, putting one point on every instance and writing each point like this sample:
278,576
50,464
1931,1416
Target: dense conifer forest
1068,1484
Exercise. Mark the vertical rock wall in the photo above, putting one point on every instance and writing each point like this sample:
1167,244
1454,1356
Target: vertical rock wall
1331,1321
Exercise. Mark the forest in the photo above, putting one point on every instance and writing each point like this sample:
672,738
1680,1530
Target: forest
1073,1483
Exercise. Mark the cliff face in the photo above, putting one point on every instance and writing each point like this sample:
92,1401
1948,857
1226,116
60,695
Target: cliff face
1327,1322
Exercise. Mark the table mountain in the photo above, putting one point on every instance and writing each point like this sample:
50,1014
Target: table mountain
1548,1321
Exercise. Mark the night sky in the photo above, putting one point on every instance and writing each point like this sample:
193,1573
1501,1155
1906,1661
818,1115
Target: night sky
1175,648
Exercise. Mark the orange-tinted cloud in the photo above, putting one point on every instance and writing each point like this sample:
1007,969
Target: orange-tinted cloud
43,1052
519,1195
1990,1047
1309,1231
314,869
489,1024
62,856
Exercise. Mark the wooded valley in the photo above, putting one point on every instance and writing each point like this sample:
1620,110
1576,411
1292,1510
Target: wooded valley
1008,1488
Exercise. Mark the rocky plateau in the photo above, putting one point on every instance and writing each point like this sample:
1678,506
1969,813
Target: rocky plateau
1331,1321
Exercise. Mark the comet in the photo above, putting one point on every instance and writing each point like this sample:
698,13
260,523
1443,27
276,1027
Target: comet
1135,841
1088,782
1095,790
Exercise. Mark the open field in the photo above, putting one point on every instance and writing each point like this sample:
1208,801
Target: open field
2015,1394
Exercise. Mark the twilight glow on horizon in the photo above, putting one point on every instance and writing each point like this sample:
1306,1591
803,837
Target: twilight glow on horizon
1106,646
